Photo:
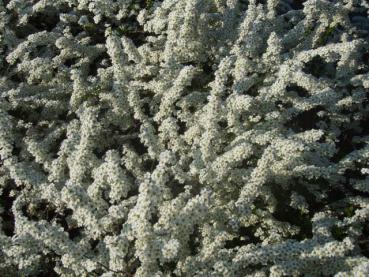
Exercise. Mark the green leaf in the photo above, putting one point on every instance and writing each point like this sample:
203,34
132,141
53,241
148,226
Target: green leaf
325,36
349,211
339,233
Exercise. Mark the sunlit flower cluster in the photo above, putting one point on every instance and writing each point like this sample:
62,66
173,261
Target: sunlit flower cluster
156,138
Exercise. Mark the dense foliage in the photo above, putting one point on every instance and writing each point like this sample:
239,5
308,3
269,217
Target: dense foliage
184,138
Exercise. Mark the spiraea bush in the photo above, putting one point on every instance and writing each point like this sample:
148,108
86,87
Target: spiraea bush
184,138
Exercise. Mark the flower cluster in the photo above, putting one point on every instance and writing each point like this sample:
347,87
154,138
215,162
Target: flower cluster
199,138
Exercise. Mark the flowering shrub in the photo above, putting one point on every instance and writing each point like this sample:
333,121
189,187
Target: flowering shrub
184,138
